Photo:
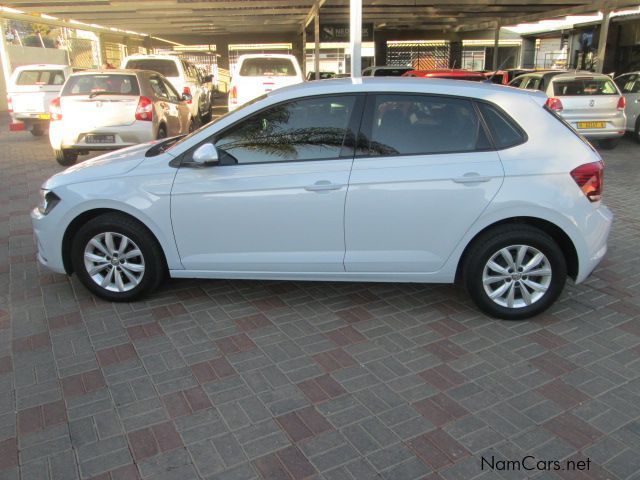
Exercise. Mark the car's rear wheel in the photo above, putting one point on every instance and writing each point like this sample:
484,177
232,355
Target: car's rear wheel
117,258
37,131
66,157
514,272
609,143
637,130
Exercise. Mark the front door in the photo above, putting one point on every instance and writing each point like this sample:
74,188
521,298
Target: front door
427,173
630,87
275,203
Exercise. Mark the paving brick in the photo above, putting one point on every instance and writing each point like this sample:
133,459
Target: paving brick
82,383
570,428
150,441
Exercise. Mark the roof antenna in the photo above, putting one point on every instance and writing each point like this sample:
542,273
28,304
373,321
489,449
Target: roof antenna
490,79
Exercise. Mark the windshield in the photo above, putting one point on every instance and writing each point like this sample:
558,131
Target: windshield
204,127
40,77
102,84
166,67
267,67
584,86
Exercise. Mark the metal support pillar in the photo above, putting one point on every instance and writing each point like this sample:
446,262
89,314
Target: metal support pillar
6,61
303,65
316,45
355,31
496,43
602,40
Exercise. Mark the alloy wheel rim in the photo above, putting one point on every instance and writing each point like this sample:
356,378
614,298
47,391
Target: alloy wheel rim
517,276
114,262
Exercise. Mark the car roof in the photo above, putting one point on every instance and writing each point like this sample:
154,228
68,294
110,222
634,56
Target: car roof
265,55
112,71
399,85
578,74
43,66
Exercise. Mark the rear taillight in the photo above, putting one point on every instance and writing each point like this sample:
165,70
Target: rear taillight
622,102
144,110
233,95
55,109
554,104
9,104
590,179
187,91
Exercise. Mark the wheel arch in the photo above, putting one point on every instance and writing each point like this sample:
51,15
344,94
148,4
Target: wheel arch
554,231
85,217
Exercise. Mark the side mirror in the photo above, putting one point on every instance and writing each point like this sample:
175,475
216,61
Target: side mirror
186,97
207,79
205,155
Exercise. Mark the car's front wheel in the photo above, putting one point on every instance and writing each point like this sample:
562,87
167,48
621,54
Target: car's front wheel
117,258
66,157
514,272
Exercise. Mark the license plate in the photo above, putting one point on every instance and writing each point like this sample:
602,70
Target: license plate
100,139
586,125
44,116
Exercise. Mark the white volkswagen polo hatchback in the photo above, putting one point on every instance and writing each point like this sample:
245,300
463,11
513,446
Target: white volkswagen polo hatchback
380,180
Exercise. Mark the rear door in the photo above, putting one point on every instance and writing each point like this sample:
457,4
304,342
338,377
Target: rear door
630,87
425,173
90,101
166,105
31,91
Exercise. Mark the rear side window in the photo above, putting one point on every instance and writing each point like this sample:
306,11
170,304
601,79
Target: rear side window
423,124
504,131
167,67
40,77
102,84
270,67
584,86
629,83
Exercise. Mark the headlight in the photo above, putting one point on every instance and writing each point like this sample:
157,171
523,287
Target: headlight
48,200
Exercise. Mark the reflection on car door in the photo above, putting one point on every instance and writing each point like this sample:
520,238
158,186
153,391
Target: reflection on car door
426,174
179,110
275,203
630,87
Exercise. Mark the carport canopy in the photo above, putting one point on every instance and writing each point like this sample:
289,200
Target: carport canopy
207,22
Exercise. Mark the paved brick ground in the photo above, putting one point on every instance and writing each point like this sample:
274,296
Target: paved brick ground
282,380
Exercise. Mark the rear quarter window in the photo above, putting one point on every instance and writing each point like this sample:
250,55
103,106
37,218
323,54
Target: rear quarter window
102,84
584,86
40,77
270,67
168,67
504,131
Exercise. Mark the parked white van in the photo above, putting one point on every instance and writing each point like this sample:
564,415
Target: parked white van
31,88
257,74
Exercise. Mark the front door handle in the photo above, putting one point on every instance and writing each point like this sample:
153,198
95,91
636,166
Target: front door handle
471,177
323,186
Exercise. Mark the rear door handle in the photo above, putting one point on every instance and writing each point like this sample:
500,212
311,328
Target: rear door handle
471,177
323,186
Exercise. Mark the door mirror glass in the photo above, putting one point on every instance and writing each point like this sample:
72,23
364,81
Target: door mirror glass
186,97
205,155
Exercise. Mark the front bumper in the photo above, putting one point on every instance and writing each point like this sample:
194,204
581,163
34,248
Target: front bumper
48,240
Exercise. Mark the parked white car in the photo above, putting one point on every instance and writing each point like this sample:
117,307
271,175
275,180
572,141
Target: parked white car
31,89
629,85
183,75
257,74
448,180
590,102
112,109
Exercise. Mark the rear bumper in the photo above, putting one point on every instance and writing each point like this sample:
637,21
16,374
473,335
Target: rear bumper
31,118
615,125
596,233
125,136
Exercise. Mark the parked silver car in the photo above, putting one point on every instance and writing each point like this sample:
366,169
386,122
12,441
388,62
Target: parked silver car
590,102
629,85
111,109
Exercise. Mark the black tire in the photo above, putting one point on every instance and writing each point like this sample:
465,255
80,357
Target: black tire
192,125
490,243
162,132
155,269
66,157
636,131
206,117
609,143
37,131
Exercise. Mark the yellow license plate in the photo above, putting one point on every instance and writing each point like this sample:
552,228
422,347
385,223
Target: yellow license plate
592,124
44,116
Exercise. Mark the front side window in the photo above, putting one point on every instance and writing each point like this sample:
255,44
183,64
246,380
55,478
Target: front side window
173,95
584,86
158,87
307,129
40,77
423,124
102,84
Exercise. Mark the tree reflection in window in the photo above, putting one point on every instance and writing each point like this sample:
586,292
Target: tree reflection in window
310,129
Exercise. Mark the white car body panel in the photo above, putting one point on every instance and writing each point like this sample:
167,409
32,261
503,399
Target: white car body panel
258,221
632,97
